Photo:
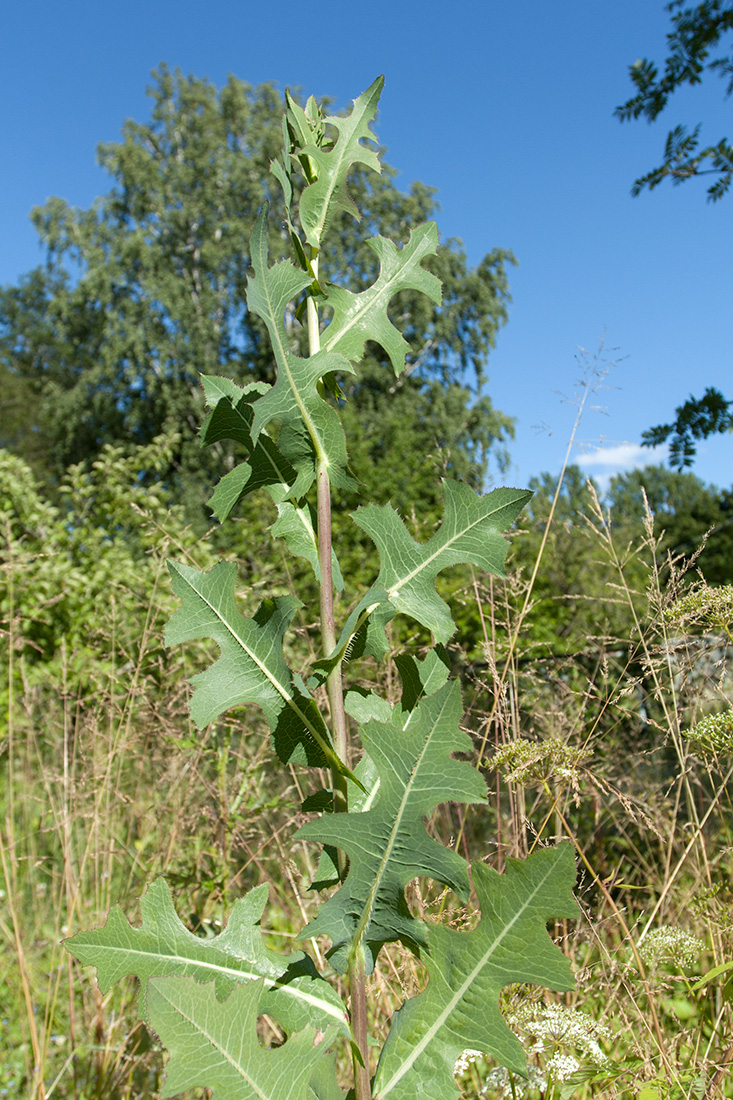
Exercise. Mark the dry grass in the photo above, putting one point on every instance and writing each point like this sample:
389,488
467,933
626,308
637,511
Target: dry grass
108,785
594,751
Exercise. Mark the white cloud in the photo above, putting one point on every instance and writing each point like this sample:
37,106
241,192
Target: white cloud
622,456
603,463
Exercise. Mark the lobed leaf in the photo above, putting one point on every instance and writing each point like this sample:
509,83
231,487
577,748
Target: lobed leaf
361,317
230,409
419,678
294,400
469,534
328,193
459,1010
295,524
231,417
252,667
214,1044
291,989
387,844
360,799
324,1081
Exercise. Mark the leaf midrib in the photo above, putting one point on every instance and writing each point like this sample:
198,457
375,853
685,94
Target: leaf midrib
369,801
282,691
196,1025
379,876
371,295
238,975
283,353
394,590
345,140
459,993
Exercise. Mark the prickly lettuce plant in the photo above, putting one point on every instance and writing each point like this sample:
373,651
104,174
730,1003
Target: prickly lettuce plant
203,997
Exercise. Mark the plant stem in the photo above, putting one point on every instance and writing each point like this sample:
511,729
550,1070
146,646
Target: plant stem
357,985
334,685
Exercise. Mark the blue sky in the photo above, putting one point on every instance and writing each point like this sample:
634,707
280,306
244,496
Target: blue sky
506,108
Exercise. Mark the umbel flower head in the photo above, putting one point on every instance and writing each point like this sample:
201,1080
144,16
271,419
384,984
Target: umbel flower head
553,1025
713,734
535,762
703,606
671,945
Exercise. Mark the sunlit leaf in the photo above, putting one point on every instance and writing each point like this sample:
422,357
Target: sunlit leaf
361,317
291,990
295,524
471,533
214,1044
459,1010
294,400
387,844
252,667
321,199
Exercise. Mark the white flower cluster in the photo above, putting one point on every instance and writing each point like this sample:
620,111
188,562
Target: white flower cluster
538,761
553,1024
713,734
561,1066
465,1060
704,606
548,1027
671,945
500,1083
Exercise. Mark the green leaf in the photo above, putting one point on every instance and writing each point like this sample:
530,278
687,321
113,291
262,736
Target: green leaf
252,667
459,1010
294,400
231,417
469,534
301,129
321,199
365,706
387,844
421,677
214,1044
360,799
324,1082
230,409
291,990
361,317
723,968
270,290
295,524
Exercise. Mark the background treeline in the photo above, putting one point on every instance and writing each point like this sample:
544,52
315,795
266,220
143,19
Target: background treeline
586,675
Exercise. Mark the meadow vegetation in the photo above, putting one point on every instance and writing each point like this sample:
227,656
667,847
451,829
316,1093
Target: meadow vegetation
597,691
599,714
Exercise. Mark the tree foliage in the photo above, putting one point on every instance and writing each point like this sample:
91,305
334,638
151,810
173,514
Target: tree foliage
146,290
697,418
89,563
572,605
690,517
696,32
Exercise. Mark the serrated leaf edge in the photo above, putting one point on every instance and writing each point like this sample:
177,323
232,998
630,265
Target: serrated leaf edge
459,993
284,692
